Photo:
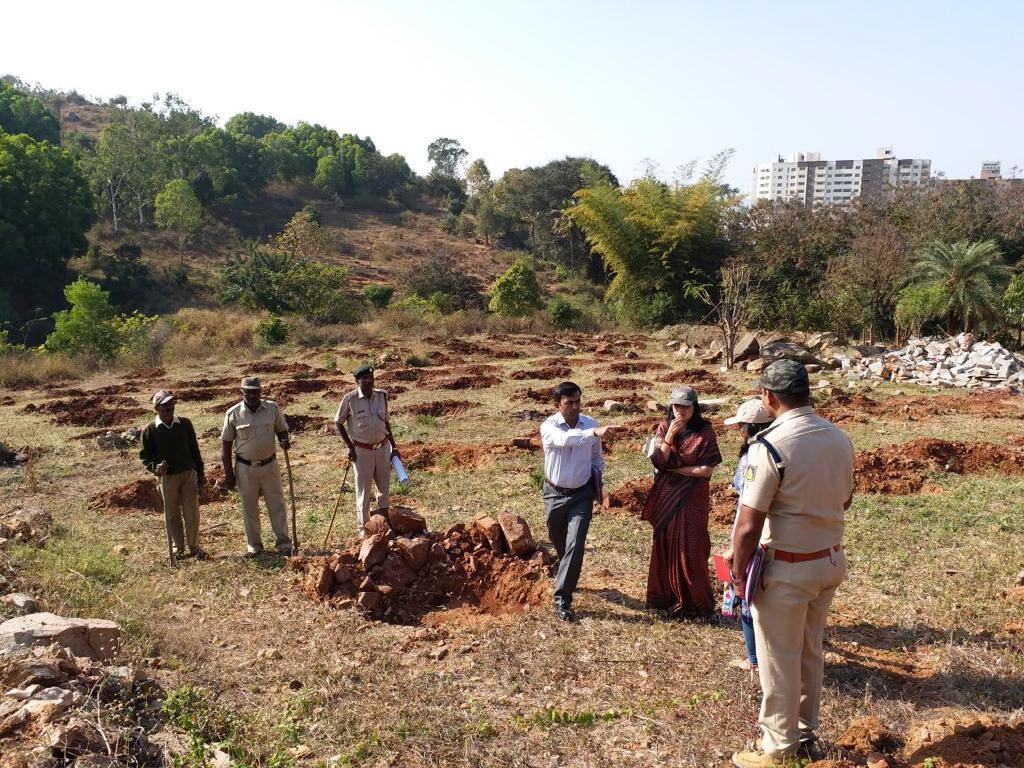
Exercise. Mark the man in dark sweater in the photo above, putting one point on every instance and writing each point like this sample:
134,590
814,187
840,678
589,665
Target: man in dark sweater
171,452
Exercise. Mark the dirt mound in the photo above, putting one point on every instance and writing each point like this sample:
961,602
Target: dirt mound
429,456
279,366
903,469
635,367
467,348
201,394
632,431
622,382
628,498
723,505
442,408
138,495
549,373
705,382
858,408
534,395
90,411
467,382
401,578
146,373
305,422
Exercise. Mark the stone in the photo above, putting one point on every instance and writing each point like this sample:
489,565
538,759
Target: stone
48,703
812,367
415,552
517,534
866,735
341,573
1020,579
877,760
75,737
377,524
861,351
655,406
319,580
371,602
28,671
394,574
746,348
491,530
404,521
614,406
22,602
756,365
273,654
373,550
788,350
437,553
97,639
121,550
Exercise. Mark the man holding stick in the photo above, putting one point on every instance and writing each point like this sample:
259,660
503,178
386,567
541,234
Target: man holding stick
171,452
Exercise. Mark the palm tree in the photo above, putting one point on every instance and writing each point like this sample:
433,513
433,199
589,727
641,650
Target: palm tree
971,277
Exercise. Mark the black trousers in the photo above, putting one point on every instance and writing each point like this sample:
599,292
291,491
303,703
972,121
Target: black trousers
568,517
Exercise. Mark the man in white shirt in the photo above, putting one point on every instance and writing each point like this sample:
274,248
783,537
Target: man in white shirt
572,469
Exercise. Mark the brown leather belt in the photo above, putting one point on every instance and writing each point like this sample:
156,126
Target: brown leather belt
369,446
249,463
803,557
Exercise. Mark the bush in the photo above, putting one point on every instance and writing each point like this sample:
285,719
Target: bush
378,295
91,326
176,275
516,293
441,274
637,311
272,331
563,314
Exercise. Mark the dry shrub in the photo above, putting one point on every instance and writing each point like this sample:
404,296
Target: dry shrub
21,369
200,334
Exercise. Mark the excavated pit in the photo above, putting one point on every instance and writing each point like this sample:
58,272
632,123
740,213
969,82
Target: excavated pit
82,411
143,495
439,408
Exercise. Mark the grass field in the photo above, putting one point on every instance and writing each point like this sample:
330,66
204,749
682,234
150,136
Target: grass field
923,627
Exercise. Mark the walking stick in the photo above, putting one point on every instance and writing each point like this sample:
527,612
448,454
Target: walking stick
167,519
337,504
291,493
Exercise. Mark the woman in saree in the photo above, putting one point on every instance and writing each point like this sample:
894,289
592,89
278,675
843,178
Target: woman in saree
685,454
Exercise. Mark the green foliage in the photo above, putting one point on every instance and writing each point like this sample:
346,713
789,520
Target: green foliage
197,713
272,330
253,125
1013,302
972,277
91,326
178,209
378,295
304,237
516,292
562,313
22,112
446,155
442,275
636,310
283,158
919,304
125,274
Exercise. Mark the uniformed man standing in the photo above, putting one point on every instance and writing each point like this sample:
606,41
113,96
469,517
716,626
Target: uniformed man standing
250,428
362,422
798,486
171,452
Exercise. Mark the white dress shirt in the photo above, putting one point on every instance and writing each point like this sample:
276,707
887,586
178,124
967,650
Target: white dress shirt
570,454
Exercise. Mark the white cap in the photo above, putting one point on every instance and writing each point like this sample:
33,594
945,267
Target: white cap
750,412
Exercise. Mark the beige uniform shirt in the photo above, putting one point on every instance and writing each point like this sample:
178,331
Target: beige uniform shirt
253,432
363,417
805,513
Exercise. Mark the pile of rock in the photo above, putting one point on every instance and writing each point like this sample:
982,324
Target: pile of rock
959,361
400,571
25,525
64,702
12,458
113,441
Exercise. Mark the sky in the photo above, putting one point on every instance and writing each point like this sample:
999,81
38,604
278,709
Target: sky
521,83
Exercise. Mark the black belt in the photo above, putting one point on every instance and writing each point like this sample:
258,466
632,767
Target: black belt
562,490
248,463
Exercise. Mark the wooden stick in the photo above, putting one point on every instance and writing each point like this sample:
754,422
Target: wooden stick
291,493
337,504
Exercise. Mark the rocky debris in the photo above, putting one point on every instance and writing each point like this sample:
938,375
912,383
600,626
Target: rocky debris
614,406
746,348
405,521
112,441
967,740
377,524
420,572
97,639
373,550
867,735
26,525
21,602
960,361
787,350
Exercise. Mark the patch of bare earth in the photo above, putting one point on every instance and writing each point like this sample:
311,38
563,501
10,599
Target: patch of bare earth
90,411
859,408
904,469
438,408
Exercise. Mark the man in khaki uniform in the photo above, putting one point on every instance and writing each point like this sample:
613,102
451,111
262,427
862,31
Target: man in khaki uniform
798,486
250,428
362,422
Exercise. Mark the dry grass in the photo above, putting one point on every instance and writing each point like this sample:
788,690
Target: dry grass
29,368
920,624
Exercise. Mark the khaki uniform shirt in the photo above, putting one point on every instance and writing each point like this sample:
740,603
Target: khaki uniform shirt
253,432
805,513
363,417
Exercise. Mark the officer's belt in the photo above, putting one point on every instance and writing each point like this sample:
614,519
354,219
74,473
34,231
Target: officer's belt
249,463
369,446
803,557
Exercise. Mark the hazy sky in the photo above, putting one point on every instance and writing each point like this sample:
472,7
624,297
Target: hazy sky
520,83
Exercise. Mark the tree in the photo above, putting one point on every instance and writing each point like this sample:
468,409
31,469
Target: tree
252,125
516,292
446,155
441,274
731,311
129,160
1013,305
45,210
178,209
971,277
304,238
283,158
917,305
22,112
478,177
89,326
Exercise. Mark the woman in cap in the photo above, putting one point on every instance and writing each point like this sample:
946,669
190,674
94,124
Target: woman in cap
751,417
685,454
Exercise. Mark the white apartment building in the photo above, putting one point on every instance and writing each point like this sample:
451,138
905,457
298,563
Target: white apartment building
805,177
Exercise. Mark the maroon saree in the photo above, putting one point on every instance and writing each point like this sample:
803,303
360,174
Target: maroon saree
677,508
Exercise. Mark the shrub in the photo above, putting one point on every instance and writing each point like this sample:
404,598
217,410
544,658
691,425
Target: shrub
516,293
272,330
88,327
443,274
175,275
636,311
378,295
563,314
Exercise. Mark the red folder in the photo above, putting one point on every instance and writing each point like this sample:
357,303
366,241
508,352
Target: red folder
721,569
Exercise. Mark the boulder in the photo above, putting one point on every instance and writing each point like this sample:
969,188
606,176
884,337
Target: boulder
861,351
788,350
22,602
48,703
614,406
97,639
437,553
747,348
491,530
371,602
517,534
75,737
415,551
377,524
373,550
394,573
341,573
404,521
756,365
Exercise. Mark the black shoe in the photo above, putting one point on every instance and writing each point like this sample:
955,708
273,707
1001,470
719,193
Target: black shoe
200,554
811,749
284,551
250,555
565,613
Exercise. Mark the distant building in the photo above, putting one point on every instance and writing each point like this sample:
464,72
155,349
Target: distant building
805,177
991,169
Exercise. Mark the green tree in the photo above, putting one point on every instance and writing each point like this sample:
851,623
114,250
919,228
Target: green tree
446,155
252,125
89,326
1013,305
179,210
304,237
443,275
919,304
22,112
516,292
478,177
971,277
283,158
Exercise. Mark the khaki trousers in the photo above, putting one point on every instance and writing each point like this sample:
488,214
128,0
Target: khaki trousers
372,468
180,493
789,623
252,481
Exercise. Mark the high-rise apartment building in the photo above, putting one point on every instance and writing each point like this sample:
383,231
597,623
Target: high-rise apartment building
805,177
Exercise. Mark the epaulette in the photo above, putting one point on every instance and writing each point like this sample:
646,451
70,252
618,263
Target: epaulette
780,463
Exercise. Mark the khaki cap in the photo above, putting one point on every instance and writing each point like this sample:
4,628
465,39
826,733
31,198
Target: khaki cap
162,396
251,382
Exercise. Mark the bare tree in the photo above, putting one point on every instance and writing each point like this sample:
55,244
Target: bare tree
730,311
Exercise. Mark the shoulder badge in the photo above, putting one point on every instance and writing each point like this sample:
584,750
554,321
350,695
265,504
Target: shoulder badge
749,474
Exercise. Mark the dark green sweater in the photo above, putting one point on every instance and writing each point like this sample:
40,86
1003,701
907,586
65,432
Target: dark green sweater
176,445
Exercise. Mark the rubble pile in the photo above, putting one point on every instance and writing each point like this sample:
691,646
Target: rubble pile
400,572
956,362
25,525
63,700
